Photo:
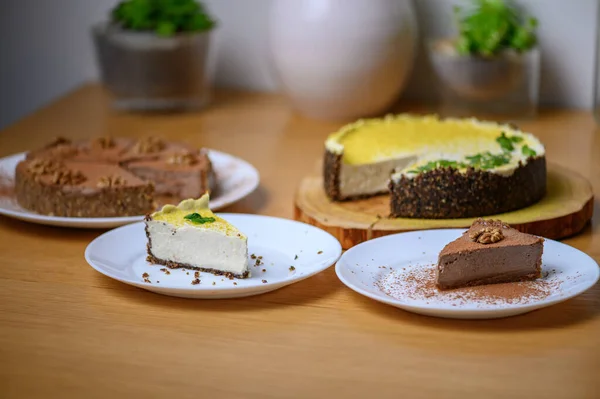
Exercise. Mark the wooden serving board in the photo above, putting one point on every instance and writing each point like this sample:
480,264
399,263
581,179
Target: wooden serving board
564,211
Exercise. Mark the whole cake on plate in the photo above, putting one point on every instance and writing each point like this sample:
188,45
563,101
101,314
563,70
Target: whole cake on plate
109,177
436,168
489,252
190,235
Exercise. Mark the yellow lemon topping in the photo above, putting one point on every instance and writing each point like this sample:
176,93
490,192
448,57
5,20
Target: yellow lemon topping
195,213
430,138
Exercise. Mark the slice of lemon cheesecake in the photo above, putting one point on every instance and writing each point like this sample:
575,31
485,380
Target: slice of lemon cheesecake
190,235
436,168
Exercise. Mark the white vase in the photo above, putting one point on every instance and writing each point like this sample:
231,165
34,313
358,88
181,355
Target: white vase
342,59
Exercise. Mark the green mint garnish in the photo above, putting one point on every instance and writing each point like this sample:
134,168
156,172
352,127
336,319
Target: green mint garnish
528,152
487,160
507,142
198,219
441,163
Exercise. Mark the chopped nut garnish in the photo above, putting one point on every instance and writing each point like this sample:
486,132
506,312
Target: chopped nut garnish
165,270
42,167
145,275
148,145
260,257
147,280
196,281
234,283
186,158
196,274
67,177
214,283
264,270
253,256
111,181
319,253
295,257
103,142
292,268
264,281
487,235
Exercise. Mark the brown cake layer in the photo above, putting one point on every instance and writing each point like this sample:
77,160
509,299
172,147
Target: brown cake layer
467,262
176,176
74,189
154,170
445,193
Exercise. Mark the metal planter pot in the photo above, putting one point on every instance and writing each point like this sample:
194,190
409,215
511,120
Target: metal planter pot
147,72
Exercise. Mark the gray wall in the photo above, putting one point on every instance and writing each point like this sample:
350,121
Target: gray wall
45,48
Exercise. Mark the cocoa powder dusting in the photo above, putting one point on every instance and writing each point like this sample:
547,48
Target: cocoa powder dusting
7,186
419,284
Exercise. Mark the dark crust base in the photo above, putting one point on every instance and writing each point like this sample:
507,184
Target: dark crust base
52,199
177,265
332,167
447,194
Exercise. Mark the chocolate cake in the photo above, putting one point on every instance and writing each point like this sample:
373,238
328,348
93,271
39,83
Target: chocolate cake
489,252
435,168
108,177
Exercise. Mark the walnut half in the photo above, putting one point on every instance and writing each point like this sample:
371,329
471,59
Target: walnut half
487,235
42,167
111,181
186,158
148,145
69,177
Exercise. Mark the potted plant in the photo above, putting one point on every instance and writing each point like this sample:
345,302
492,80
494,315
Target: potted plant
154,54
494,59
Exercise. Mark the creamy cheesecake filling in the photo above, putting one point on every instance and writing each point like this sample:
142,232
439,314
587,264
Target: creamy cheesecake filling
197,247
434,143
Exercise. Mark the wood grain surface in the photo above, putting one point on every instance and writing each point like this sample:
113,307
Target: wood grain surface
565,210
68,332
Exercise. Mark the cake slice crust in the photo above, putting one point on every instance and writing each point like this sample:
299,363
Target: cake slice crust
489,252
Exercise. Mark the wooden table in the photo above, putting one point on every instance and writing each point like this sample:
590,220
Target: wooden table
68,331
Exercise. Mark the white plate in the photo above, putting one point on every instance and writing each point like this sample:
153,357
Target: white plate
567,272
121,254
236,179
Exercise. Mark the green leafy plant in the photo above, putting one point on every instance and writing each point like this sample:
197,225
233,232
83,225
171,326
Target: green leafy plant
199,219
487,27
165,17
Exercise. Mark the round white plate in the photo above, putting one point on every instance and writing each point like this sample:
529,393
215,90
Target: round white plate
366,269
121,254
236,179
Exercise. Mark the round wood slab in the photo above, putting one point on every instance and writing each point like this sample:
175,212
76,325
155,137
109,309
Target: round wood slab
564,211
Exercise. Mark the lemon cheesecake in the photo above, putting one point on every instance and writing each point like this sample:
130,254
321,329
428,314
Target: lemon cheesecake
436,168
190,235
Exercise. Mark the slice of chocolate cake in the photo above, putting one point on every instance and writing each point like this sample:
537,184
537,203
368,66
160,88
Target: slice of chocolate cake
489,252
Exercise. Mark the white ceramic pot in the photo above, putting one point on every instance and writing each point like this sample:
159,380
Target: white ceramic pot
342,59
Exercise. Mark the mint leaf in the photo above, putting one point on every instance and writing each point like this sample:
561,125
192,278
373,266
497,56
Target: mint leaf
198,219
528,152
487,160
505,142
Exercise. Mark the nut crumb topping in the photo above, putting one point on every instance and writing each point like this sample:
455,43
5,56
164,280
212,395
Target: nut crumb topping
104,142
148,145
111,181
63,177
186,158
487,235
196,281
42,167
